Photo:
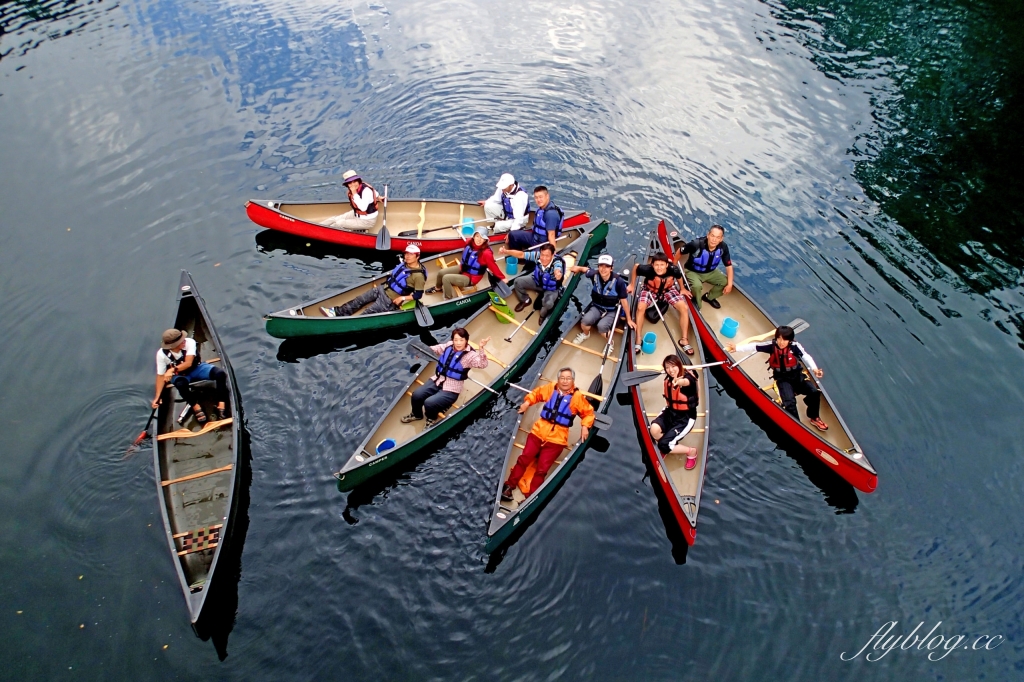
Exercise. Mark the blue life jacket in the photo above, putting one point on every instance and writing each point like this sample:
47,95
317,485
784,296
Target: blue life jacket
450,364
704,260
545,277
604,294
506,202
556,409
399,279
471,264
540,228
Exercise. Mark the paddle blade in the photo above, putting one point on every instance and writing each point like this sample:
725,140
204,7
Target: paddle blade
383,239
418,348
599,444
502,289
638,377
799,325
597,388
602,421
423,316
624,399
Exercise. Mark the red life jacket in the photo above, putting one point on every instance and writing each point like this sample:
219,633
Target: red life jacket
675,399
783,359
658,284
372,208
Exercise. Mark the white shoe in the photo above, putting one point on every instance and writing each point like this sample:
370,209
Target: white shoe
637,349
328,312
580,338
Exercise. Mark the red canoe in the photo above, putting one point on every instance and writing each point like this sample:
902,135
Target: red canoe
681,487
404,215
837,446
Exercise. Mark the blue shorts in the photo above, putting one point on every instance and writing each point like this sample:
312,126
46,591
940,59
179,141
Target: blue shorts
200,373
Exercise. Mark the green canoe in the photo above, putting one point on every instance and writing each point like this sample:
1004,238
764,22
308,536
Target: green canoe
508,358
307,319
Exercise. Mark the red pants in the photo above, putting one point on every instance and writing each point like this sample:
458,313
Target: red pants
534,446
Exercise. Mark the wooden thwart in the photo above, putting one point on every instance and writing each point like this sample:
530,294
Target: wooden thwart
188,532
195,476
185,433
586,350
513,320
198,549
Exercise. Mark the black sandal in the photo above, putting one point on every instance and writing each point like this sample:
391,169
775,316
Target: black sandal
198,413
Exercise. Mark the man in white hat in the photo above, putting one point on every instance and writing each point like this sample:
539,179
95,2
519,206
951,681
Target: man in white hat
509,206
363,200
609,291
404,284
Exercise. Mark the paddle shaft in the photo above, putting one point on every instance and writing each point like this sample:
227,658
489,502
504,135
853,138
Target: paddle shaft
509,338
796,325
410,233
430,354
145,430
383,237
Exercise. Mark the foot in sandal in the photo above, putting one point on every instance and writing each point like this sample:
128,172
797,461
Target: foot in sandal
199,414
685,346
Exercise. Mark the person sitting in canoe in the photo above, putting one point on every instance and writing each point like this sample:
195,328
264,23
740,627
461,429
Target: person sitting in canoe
609,291
363,200
680,413
661,284
455,359
548,274
550,433
477,258
784,358
705,254
509,206
178,363
547,224
405,284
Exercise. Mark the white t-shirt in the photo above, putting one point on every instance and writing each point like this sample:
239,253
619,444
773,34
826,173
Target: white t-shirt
364,201
163,363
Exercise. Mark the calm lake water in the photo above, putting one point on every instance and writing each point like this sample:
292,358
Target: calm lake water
864,157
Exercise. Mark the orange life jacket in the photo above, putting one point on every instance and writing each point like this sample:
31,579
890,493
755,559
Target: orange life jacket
658,284
675,399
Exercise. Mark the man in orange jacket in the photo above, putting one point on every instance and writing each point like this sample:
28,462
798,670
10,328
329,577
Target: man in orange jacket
550,433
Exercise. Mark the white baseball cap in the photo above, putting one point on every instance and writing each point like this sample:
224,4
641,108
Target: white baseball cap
412,248
605,259
505,180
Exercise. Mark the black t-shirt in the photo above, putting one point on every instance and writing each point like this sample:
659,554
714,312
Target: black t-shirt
647,270
701,244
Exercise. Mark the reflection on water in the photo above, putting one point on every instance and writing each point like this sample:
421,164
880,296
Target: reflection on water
941,152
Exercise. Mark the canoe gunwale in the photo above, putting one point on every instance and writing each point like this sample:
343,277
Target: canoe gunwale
195,601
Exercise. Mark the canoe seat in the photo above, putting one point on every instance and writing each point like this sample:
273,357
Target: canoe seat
198,540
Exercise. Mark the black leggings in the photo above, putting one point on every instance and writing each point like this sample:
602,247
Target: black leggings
430,397
220,393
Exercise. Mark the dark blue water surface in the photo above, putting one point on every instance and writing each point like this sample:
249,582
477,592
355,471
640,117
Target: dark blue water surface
864,157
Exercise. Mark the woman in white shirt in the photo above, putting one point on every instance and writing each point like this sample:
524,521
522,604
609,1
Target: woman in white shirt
363,200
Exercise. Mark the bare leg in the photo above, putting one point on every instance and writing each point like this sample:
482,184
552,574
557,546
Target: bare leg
684,321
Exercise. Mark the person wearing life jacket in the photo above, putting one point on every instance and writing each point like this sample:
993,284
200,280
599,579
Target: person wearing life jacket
547,224
548,275
509,206
363,200
680,414
404,284
562,403
784,358
608,293
661,283
705,254
454,360
477,258
178,363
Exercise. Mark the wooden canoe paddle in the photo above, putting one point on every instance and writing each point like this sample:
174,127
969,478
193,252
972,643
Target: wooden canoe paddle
384,237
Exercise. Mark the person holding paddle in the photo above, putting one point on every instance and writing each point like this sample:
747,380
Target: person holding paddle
550,433
547,224
785,357
509,206
363,200
608,293
177,363
405,284
454,360
548,275
477,258
661,283
680,413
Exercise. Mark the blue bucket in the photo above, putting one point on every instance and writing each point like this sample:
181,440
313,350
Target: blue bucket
385,444
650,342
511,265
467,227
729,327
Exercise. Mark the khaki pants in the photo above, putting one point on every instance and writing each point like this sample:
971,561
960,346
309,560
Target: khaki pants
350,221
716,278
450,278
